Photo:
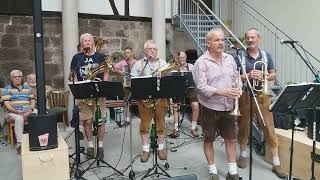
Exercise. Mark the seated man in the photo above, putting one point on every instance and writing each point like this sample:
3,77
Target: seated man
191,94
32,82
18,102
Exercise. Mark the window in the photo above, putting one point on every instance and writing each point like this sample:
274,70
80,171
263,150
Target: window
16,7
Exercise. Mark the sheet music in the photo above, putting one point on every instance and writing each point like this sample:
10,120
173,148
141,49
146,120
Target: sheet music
82,82
140,77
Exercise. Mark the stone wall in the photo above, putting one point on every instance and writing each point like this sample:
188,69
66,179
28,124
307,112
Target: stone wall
16,42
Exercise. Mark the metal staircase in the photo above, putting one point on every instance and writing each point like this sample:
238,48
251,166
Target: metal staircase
196,19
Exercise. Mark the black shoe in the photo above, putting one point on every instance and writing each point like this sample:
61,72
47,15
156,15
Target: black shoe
101,153
126,123
90,153
174,134
19,150
232,177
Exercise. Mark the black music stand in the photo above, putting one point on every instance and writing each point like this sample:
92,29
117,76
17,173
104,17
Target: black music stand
189,83
153,88
293,97
93,89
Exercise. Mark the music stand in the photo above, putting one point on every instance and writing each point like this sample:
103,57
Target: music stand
189,83
293,97
93,89
153,88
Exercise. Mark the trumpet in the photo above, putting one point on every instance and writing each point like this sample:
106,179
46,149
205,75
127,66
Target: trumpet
236,111
261,84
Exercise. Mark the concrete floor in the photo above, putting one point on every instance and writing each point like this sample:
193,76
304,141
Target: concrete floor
185,156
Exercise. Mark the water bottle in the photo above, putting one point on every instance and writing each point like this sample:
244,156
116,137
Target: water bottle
98,115
153,136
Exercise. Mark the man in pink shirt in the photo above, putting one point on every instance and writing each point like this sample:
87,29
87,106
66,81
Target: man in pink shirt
123,67
214,74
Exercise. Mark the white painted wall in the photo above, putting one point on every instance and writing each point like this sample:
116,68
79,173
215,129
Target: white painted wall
299,18
139,8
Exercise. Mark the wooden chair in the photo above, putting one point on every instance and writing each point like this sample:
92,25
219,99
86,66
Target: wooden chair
10,130
58,103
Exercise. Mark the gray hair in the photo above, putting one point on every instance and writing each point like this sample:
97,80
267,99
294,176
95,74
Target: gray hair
86,35
212,32
257,31
13,72
150,41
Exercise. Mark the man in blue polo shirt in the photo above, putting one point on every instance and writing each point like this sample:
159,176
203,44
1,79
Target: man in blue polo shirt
248,59
18,102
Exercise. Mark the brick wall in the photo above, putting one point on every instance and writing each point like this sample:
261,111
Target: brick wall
16,42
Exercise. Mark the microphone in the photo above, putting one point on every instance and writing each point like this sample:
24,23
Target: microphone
238,50
232,46
288,41
86,49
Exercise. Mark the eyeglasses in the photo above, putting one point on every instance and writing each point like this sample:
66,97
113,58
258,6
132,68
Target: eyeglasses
16,76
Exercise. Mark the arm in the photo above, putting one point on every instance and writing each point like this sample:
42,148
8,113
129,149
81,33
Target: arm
72,73
135,69
9,108
271,76
200,79
106,76
119,68
32,105
235,90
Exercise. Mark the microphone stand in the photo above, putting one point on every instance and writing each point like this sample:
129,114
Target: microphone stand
314,156
313,69
75,122
252,99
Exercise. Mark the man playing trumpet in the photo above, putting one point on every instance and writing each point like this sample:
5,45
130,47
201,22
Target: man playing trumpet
248,59
213,74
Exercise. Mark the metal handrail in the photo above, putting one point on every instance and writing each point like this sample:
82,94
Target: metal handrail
275,26
197,18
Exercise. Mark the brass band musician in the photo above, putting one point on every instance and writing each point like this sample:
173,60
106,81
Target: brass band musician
192,97
81,64
248,59
144,67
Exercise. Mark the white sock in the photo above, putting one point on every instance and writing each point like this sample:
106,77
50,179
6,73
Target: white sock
276,161
176,126
243,153
212,169
161,146
90,144
100,143
232,168
146,147
194,125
